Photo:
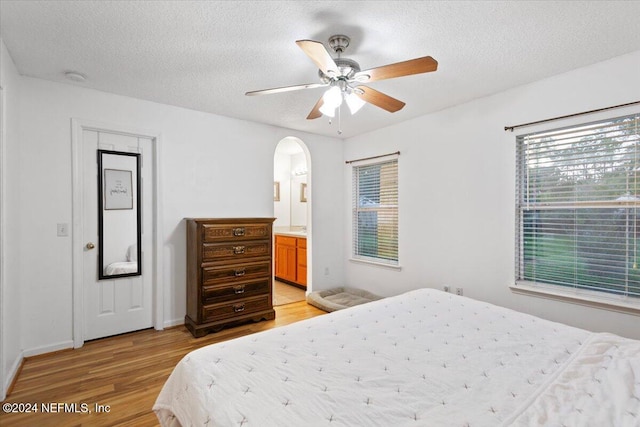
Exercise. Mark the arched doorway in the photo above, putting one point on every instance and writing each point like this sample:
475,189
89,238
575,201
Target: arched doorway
293,225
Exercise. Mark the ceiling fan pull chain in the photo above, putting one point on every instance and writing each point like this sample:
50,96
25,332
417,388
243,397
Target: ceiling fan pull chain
339,120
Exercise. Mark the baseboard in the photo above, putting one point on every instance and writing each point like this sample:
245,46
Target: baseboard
174,322
16,367
48,348
13,373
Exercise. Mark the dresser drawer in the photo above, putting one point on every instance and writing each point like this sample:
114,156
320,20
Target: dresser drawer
241,290
231,309
213,274
235,232
239,250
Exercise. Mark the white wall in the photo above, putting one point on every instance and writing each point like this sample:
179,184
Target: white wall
211,166
282,174
298,208
10,294
457,191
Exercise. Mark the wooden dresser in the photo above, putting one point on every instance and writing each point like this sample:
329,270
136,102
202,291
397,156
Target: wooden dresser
228,272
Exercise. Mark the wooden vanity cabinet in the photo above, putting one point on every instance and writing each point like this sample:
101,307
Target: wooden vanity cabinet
301,261
291,259
229,272
286,258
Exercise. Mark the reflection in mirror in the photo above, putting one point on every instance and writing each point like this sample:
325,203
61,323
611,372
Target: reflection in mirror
119,216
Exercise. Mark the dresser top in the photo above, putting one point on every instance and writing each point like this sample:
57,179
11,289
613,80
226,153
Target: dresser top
232,220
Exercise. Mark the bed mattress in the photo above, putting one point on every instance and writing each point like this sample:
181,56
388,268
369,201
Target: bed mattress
423,358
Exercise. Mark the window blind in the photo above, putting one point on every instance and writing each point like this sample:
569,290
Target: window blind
375,212
578,194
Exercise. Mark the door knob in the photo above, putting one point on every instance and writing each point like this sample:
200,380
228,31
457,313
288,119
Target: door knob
90,246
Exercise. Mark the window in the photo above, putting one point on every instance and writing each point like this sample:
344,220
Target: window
375,212
578,194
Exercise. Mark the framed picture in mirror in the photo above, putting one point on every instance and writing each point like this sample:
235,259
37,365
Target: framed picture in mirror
118,192
276,191
303,192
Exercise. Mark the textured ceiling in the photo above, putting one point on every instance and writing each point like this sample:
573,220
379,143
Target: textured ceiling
204,55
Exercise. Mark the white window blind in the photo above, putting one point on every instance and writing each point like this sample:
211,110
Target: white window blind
578,194
375,212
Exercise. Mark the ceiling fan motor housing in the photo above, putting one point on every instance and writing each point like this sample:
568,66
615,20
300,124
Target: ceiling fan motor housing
339,43
347,67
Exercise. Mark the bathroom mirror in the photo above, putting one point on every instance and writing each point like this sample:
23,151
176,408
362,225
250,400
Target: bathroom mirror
119,234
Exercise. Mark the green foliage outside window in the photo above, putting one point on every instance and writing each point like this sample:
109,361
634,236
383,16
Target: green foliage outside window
579,194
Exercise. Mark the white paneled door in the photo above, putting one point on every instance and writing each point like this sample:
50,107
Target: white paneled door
123,304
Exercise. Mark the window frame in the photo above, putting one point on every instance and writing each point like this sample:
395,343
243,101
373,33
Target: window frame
354,255
627,304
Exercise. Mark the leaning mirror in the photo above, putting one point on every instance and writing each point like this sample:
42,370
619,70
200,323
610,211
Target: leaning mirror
119,249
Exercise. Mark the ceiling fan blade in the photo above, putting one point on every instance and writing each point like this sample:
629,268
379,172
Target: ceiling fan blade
315,112
285,89
425,64
379,99
318,54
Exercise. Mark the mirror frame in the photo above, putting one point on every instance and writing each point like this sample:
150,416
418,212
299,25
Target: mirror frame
101,202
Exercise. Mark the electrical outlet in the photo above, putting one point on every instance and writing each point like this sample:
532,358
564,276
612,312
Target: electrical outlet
459,291
447,288
326,271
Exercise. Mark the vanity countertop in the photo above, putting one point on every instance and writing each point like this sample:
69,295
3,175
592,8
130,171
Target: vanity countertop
290,233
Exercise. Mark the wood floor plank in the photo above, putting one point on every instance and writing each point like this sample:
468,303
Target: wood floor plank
125,373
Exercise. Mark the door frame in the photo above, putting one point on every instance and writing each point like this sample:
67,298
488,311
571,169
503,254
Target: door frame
3,204
77,178
307,155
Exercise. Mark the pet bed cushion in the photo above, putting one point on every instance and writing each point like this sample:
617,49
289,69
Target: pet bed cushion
339,298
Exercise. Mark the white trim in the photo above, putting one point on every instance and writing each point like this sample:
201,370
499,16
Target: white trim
353,257
77,126
64,345
376,263
309,236
3,204
580,297
158,237
174,322
12,374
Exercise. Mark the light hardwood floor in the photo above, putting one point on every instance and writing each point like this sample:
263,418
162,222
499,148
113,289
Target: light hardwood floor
125,372
286,294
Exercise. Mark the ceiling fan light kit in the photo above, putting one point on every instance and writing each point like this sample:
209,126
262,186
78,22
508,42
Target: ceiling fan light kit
354,102
342,74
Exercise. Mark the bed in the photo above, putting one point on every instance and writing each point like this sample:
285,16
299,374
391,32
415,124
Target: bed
124,267
423,358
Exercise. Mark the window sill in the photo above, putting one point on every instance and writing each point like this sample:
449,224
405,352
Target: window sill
377,264
624,305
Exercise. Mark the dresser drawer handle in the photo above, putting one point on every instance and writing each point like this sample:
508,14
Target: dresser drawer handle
238,232
238,289
237,308
240,272
238,250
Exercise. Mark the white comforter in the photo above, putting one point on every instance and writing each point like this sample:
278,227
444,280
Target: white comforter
424,358
123,267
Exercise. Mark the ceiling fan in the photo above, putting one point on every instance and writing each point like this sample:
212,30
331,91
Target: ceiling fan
344,78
